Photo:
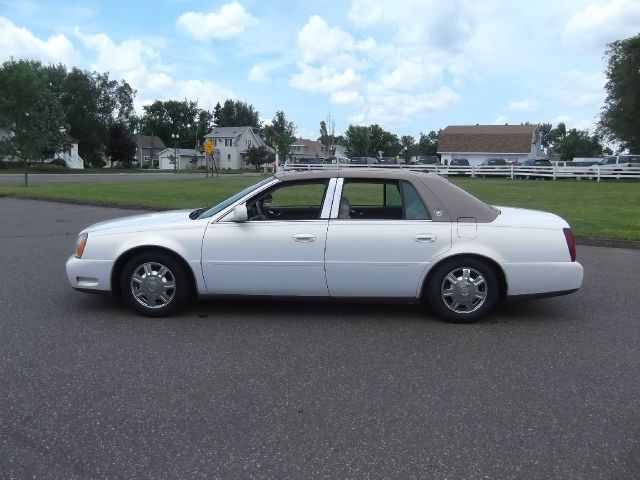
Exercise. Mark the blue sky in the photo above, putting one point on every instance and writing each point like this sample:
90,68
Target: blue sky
409,65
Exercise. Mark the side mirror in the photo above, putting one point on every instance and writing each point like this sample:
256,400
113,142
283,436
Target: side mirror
238,214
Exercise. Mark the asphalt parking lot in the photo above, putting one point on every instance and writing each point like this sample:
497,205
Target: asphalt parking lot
255,389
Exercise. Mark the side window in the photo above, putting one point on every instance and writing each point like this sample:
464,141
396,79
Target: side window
291,201
381,200
414,208
370,200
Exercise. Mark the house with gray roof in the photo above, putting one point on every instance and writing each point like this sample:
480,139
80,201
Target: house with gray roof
232,144
477,143
305,148
147,149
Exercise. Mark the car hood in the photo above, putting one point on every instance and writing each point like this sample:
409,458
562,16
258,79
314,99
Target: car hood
522,217
137,223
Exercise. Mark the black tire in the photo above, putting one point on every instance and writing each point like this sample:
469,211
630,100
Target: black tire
155,284
460,302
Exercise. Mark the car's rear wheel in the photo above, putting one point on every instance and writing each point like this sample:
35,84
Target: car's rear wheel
155,284
462,290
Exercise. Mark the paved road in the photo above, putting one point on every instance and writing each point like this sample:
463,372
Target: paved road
36,178
544,389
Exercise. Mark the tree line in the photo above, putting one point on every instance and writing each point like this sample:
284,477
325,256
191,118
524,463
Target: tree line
46,107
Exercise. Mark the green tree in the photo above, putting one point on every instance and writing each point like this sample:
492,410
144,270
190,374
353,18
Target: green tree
578,143
121,146
92,103
428,144
382,143
30,111
544,129
620,117
256,156
281,134
173,117
408,144
236,113
357,141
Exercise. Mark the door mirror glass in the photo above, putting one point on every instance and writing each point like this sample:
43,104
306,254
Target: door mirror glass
238,214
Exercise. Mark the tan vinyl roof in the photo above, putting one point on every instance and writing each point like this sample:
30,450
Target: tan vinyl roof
486,139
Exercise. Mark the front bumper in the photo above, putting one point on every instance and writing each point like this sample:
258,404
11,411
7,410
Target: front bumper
89,275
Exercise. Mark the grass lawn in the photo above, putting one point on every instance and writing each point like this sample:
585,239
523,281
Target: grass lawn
607,210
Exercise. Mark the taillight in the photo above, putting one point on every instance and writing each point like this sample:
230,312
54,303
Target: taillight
571,243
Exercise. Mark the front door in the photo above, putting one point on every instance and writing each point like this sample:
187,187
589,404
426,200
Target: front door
278,251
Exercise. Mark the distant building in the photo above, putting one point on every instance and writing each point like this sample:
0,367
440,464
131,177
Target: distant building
232,144
304,147
477,143
188,158
147,149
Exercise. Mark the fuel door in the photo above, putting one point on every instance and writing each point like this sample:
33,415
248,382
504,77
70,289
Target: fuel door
467,227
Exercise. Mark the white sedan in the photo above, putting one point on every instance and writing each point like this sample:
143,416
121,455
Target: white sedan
366,233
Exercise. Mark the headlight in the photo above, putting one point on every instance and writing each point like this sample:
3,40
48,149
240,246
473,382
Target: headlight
80,244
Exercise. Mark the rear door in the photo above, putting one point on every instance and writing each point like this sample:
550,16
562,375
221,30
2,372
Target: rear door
383,245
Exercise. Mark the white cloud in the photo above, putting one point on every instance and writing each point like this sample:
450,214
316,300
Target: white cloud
18,42
230,21
601,23
323,79
580,89
357,119
346,97
398,108
140,65
523,106
124,56
331,45
258,75
409,74
500,120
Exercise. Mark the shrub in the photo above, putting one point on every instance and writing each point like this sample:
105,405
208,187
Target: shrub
58,162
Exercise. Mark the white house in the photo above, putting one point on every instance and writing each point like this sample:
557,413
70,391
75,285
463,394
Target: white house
188,158
232,143
477,143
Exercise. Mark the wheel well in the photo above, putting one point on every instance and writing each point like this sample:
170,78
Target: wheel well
502,279
124,258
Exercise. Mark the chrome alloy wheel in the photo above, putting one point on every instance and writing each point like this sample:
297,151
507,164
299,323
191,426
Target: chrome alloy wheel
464,290
153,285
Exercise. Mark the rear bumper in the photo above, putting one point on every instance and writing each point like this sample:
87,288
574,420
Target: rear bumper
543,279
89,275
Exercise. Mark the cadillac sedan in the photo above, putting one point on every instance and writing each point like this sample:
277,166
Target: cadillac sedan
365,233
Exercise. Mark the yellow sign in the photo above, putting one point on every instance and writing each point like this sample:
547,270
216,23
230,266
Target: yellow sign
208,146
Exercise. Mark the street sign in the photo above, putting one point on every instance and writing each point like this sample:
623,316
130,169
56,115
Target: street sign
208,146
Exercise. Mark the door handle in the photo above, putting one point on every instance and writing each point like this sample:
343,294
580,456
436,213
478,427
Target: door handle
425,237
304,237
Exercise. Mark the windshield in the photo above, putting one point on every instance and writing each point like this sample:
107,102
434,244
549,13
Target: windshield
225,203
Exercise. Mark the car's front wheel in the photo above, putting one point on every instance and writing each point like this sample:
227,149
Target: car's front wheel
462,290
155,284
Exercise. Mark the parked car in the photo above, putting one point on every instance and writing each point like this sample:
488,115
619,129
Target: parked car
459,162
528,172
459,167
363,161
618,163
428,160
494,162
333,234
389,160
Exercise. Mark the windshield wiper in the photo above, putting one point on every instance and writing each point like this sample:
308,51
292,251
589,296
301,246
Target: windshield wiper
196,213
